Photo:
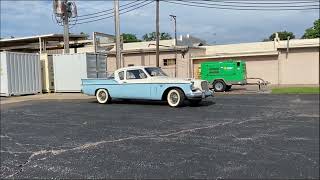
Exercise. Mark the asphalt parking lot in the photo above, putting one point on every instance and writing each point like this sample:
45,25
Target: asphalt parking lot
229,136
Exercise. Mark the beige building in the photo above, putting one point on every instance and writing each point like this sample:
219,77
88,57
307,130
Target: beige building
279,62
174,60
293,62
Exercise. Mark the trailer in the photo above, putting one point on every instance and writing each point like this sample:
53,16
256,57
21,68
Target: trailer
224,74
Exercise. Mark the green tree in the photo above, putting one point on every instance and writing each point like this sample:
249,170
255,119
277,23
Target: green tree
313,32
283,35
127,38
152,36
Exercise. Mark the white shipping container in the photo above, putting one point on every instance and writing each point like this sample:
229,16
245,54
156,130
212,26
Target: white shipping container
69,69
20,73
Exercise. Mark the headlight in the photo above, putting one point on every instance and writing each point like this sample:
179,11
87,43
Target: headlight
193,88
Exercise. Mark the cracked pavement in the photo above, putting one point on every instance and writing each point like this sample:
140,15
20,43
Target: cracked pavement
229,136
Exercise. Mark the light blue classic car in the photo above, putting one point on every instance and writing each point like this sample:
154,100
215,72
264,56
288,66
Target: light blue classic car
148,83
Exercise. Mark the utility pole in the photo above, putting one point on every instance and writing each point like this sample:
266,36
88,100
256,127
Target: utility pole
175,28
157,33
175,43
117,32
66,27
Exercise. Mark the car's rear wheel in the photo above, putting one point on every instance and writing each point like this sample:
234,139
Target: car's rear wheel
219,86
103,96
175,97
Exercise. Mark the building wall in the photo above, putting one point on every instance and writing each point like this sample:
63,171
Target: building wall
111,64
169,70
242,47
265,67
301,66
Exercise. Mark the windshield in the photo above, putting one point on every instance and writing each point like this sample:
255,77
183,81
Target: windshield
110,75
153,71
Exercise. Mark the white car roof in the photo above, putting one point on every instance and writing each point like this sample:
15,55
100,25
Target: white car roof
134,67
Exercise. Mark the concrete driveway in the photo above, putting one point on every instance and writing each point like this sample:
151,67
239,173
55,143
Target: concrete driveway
229,136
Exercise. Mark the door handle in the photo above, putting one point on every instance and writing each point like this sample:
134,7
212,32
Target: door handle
124,82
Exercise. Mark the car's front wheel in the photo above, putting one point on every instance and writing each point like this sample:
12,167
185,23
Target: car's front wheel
103,96
175,98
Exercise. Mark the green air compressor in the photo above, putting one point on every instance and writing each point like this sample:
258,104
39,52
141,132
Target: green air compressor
223,74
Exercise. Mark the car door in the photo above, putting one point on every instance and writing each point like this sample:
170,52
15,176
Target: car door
136,84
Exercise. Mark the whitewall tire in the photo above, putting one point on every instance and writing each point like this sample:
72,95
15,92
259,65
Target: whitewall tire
103,96
175,98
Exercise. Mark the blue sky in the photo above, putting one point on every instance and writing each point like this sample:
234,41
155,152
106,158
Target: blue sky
26,18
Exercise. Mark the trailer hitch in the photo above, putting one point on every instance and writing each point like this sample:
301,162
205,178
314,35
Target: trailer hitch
262,84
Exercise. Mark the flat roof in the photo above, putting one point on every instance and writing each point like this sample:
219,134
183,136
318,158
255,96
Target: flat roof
35,39
153,50
46,36
244,54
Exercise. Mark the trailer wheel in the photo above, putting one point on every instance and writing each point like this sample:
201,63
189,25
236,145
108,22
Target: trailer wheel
103,96
219,86
228,87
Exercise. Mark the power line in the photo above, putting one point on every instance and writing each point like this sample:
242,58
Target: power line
262,2
196,4
225,3
120,13
97,16
107,10
257,5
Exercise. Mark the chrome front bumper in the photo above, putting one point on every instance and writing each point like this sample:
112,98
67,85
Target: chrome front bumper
199,94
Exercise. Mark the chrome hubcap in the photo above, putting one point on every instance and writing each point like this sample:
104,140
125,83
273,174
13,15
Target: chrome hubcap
102,96
174,97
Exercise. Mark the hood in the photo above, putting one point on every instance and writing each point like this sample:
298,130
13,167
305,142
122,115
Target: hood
169,79
175,80
197,83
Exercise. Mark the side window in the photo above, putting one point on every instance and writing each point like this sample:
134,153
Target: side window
136,74
121,75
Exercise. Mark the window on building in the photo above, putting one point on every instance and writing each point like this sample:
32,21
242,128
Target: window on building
136,74
121,75
130,65
169,62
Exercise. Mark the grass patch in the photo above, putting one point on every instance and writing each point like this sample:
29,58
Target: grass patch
296,90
